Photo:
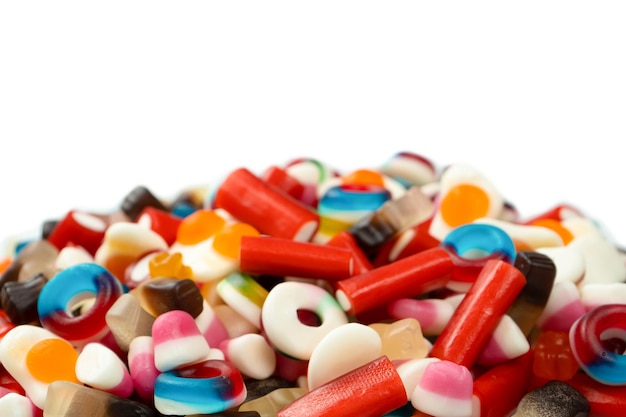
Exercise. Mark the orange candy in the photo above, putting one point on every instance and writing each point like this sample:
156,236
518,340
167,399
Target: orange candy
557,227
199,226
169,265
228,241
463,204
364,177
553,357
51,360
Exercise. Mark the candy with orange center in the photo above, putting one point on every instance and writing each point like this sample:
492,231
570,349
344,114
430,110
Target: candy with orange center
465,195
52,359
199,226
228,241
556,226
464,203
364,177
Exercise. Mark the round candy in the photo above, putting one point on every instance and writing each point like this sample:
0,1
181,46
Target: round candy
207,387
284,329
471,246
590,340
66,289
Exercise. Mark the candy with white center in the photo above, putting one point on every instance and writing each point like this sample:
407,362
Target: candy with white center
99,367
172,330
444,390
343,349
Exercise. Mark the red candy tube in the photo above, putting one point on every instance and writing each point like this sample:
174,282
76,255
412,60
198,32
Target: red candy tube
498,391
161,222
281,179
345,240
408,277
373,389
475,319
265,207
285,257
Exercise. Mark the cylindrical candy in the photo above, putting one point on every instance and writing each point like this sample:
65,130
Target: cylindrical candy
474,320
408,277
369,390
271,211
286,257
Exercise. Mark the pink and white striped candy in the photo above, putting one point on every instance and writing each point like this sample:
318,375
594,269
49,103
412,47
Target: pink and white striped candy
100,368
507,342
432,314
143,371
444,390
173,330
211,326
563,308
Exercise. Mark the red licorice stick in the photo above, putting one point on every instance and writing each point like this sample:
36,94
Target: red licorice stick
163,223
281,179
500,389
604,400
414,275
270,210
345,240
475,319
373,389
264,255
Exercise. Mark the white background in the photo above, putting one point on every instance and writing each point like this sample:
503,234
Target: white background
98,97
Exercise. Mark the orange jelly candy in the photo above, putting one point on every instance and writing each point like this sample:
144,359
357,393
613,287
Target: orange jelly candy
228,241
199,226
557,227
52,359
553,357
364,177
463,204
169,265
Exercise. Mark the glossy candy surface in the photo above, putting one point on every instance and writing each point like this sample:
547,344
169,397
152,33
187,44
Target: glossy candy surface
588,341
59,295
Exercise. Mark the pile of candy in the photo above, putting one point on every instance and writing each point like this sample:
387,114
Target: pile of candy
397,290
